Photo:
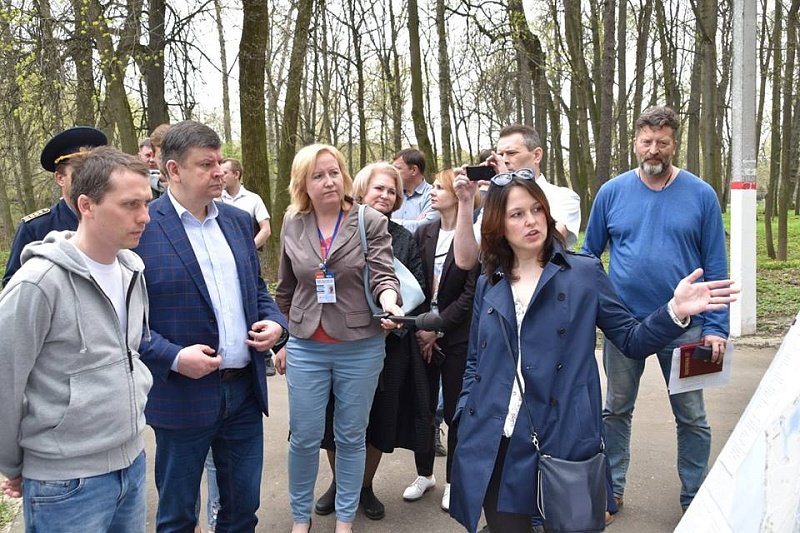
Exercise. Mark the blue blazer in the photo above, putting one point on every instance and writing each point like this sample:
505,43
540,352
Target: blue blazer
181,314
562,384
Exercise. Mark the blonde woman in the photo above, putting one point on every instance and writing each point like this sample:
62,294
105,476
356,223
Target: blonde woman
334,341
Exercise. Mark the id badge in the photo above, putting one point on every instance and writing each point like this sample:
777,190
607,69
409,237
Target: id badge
326,288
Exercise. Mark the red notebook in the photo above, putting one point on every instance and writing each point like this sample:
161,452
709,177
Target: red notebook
695,367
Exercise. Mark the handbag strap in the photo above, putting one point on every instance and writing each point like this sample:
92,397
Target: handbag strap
534,436
374,309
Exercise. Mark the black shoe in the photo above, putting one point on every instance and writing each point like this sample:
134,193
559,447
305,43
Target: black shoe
326,503
373,507
438,447
270,367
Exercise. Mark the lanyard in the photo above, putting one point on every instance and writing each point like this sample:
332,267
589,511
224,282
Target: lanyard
327,248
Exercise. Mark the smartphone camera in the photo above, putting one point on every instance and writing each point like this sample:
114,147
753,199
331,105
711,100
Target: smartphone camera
480,173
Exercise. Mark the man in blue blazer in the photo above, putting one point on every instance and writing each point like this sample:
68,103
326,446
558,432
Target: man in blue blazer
211,322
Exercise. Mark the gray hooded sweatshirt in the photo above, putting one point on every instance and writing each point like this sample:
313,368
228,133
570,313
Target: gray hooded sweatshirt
72,387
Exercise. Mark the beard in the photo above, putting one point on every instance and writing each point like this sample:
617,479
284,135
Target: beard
656,170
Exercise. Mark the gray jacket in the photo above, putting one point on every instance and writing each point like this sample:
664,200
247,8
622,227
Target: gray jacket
72,394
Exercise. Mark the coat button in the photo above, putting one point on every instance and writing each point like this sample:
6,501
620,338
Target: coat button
559,366
553,402
561,296
477,377
562,331
483,344
490,310
471,411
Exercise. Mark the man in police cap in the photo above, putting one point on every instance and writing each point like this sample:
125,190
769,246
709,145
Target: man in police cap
61,216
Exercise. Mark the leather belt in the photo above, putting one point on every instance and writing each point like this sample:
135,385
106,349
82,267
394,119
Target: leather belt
232,374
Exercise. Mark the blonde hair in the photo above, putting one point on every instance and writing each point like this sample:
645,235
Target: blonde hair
303,166
365,175
447,178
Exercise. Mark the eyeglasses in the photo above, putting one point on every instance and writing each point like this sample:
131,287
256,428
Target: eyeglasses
501,180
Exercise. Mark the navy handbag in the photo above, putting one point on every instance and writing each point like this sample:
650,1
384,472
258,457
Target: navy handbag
571,495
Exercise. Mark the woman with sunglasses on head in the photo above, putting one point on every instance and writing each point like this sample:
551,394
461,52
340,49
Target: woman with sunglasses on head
449,293
547,301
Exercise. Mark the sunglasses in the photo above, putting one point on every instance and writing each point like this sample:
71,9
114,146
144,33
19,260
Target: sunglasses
501,180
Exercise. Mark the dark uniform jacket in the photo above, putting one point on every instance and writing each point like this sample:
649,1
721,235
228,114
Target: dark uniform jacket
34,227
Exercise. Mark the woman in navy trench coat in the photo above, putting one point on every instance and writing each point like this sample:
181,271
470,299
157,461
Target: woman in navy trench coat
561,297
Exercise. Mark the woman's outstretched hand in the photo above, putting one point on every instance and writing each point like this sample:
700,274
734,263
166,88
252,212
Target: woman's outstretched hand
692,298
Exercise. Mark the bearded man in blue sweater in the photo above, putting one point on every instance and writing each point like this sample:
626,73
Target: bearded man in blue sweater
660,221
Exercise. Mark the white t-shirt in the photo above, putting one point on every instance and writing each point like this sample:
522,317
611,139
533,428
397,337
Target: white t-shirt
247,201
442,248
109,277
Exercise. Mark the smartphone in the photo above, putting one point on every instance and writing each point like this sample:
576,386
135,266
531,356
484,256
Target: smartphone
702,353
480,173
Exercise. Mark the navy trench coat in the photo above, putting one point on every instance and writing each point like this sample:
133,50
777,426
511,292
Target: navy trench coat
562,385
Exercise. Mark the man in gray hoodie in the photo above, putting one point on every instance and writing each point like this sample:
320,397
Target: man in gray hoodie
72,389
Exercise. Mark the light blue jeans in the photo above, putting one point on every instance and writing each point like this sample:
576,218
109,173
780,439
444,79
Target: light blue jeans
694,433
114,502
313,368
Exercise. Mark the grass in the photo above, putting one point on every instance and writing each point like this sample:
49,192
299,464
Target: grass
777,282
7,512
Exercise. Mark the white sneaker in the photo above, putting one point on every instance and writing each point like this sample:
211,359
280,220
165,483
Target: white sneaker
419,487
446,498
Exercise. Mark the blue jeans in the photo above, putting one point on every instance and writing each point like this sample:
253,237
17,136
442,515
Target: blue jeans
212,504
113,502
694,433
237,442
313,368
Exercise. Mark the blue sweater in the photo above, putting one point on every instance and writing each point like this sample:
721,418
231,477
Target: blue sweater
657,238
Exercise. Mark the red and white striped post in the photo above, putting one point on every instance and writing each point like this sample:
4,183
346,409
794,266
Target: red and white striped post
743,171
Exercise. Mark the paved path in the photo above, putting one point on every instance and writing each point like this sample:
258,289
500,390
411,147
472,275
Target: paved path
651,499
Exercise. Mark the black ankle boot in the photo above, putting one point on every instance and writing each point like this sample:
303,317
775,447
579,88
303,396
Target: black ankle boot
373,507
326,504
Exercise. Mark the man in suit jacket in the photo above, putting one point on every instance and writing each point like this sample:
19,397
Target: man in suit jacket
211,322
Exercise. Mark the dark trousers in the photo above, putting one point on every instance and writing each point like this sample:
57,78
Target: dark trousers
451,372
496,520
237,441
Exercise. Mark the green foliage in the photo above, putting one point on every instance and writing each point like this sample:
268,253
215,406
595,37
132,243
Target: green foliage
777,282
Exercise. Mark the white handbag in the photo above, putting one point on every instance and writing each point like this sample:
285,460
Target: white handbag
410,291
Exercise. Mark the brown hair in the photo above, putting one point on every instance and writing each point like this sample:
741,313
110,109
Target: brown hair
447,178
236,165
529,135
657,117
91,173
497,253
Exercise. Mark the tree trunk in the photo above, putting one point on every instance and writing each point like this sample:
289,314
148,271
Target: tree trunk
417,104
288,135
444,86
775,136
223,58
623,137
606,99
643,24
113,63
153,66
693,108
787,148
81,51
712,163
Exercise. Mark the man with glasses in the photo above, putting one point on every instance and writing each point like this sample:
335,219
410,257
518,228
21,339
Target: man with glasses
519,151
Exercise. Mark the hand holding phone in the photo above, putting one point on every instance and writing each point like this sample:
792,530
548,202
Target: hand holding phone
480,173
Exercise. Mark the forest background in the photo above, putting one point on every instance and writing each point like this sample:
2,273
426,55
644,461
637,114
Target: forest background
374,77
